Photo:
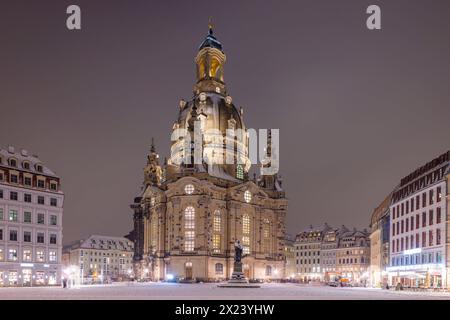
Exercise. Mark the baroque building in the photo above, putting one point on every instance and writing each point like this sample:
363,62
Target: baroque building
190,212
31,209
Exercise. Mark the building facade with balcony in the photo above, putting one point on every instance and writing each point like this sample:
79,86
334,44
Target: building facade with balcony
31,212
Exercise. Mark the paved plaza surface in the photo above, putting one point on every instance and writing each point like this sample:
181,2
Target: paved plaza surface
209,291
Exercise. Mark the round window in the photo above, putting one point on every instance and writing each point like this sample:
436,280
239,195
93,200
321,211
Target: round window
189,189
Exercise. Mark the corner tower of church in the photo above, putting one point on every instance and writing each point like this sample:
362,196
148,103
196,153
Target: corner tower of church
189,213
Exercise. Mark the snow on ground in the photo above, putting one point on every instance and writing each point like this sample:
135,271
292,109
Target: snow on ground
209,291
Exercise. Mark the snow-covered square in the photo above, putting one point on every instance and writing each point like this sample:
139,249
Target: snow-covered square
210,291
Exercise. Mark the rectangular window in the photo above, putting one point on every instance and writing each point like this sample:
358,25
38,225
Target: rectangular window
438,215
438,236
41,184
412,223
53,220
53,202
26,255
403,209
26,236
424,239
417,221
41,200
13,215
403,226
424,200
53,239
430,218
14,178
12,235
417,241
407,206
52,256
13,196
438,194
424,219
1,194
12,255
1,234
40,256
41,218
246,244
431,197
53,186
412,204
406,225
1,214
189,240
27,217
430,238
40,237
27,197
27,181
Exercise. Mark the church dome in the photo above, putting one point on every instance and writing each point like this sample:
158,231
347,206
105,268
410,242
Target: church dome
214,112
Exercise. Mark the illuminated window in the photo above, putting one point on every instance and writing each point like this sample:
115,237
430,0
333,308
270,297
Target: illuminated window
52,256
152,201
216,243
217,221
189,189
189,218
154,231
246,234
12,255
247,196
240,173
189,225
1,255
26,255
246,224
40,256
13,215
189,240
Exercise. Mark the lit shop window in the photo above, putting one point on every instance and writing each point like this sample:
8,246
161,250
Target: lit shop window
189,189
12,278
40,278
247,196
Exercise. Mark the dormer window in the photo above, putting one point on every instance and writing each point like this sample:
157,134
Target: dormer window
53,186
13,163
26,165
39,168
41,183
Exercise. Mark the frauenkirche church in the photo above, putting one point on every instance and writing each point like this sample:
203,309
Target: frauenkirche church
188,215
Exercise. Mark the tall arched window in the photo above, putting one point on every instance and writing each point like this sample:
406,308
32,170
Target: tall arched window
217,228
246,234
239,172
189,229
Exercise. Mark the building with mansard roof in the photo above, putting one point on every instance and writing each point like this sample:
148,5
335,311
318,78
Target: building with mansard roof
190,213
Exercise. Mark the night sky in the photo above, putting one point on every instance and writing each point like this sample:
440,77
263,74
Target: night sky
357,109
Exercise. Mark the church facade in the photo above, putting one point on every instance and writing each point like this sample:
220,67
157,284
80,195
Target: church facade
190,213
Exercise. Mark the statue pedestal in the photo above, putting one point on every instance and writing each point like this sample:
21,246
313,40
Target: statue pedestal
238,279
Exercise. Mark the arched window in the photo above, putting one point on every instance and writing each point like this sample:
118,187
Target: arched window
219,268
268,270
189,226
247,196
189,218
217,221
239,172
13,163
246,234
189,189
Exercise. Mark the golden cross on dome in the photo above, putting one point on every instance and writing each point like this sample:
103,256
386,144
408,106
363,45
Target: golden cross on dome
210,25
